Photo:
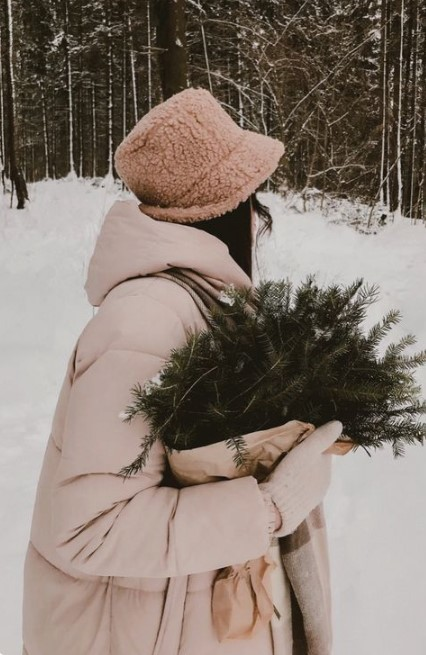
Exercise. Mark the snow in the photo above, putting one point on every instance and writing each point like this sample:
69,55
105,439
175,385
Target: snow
225,297
375,506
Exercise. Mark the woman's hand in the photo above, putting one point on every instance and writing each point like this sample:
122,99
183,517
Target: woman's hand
300,481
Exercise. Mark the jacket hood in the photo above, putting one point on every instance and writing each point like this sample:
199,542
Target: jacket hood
131,244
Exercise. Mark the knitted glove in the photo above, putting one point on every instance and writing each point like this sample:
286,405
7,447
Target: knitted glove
300,481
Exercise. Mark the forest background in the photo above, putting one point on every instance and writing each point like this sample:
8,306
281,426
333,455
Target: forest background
342,84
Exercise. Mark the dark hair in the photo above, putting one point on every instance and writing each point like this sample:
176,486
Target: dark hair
234,229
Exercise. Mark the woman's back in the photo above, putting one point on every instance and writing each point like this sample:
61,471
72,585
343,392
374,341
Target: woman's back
102,551
127,566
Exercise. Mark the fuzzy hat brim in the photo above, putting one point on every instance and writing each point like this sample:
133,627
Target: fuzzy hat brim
254,159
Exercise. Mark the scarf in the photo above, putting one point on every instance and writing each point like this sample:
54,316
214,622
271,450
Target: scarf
304,553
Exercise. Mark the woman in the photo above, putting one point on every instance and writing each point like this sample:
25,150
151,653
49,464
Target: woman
127,568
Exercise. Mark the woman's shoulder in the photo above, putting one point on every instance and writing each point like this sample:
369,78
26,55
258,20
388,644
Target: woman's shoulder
146,314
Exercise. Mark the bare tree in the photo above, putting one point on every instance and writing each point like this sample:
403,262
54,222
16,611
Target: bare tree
16,176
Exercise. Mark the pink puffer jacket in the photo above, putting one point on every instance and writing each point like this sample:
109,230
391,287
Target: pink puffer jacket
125,567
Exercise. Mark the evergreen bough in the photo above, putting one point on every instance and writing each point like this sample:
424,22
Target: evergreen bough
301,354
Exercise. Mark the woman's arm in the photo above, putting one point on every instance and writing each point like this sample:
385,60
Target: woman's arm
106,525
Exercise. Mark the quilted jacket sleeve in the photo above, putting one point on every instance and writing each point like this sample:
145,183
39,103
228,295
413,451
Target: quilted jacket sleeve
106,525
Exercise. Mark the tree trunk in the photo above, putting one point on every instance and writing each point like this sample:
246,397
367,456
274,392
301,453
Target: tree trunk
172,41
2,131
384,76
16,176
109,83
399,123
239,69
94,130
411,163
68,69
133,69
80,96
46,147
422,130
124,84
149,43
395,128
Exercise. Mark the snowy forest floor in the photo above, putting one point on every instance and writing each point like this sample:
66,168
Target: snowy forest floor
376,507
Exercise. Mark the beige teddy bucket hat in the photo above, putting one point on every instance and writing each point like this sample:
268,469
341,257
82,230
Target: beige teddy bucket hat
187,160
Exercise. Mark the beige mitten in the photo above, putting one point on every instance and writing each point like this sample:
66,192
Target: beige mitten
300,481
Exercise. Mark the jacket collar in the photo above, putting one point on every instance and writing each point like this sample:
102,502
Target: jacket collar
132,244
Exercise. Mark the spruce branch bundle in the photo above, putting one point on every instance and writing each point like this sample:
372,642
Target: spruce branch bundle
274,353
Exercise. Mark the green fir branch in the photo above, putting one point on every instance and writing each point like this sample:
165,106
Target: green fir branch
279,352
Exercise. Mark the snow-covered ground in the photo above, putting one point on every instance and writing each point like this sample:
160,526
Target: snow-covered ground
376,507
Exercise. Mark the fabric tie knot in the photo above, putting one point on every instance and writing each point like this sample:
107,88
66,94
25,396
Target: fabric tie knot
242,598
